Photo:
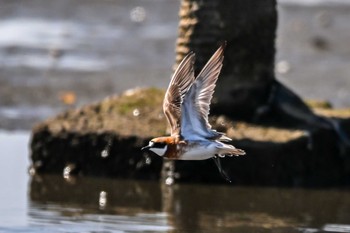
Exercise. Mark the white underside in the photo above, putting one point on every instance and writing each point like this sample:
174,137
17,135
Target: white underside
159,151
206,150
200,153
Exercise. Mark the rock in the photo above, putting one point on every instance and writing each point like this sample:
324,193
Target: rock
104,139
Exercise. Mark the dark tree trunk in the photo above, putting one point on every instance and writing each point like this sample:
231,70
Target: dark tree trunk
249,27
247,88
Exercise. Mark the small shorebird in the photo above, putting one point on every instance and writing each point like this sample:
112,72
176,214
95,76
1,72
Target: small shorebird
186,106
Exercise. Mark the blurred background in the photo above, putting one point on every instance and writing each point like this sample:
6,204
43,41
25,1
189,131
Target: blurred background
57,55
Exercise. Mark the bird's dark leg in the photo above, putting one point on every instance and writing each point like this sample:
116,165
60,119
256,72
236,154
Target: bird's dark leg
222,172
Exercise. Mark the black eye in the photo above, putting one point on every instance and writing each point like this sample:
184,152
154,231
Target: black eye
158,145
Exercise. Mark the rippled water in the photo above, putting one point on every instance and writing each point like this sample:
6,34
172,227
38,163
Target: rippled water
51,203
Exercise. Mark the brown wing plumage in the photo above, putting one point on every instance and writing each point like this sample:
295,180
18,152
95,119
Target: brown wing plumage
206,82
180,83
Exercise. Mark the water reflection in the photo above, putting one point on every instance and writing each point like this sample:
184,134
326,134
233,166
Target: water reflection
96,205
57,218
91,204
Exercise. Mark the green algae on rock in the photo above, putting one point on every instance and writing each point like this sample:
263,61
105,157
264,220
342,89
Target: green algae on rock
136,112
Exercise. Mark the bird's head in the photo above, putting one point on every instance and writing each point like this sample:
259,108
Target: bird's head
158,146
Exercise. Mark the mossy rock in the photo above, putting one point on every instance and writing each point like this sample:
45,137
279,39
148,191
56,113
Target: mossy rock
136,112
104,139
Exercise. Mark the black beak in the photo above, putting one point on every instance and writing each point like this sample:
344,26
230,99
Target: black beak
145,148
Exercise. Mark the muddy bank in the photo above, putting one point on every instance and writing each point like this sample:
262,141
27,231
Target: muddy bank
104,139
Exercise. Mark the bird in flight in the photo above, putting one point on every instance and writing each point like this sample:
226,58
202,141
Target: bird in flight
186,106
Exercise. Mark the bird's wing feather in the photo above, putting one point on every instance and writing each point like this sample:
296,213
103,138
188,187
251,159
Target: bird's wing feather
196,105
181,81
206,82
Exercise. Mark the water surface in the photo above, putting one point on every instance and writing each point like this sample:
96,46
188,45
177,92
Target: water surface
50,203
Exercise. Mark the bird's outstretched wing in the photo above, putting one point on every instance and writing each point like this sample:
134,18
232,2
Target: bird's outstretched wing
196,105
179,85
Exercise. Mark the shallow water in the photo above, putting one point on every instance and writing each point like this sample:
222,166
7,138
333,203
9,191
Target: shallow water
51,203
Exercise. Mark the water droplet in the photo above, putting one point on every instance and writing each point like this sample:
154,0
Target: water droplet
103,199
104,153
148,160
31,170
283,67
138,14
169,181
67,171
136,112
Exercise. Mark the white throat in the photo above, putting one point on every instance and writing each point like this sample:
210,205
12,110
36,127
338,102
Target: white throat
159,151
